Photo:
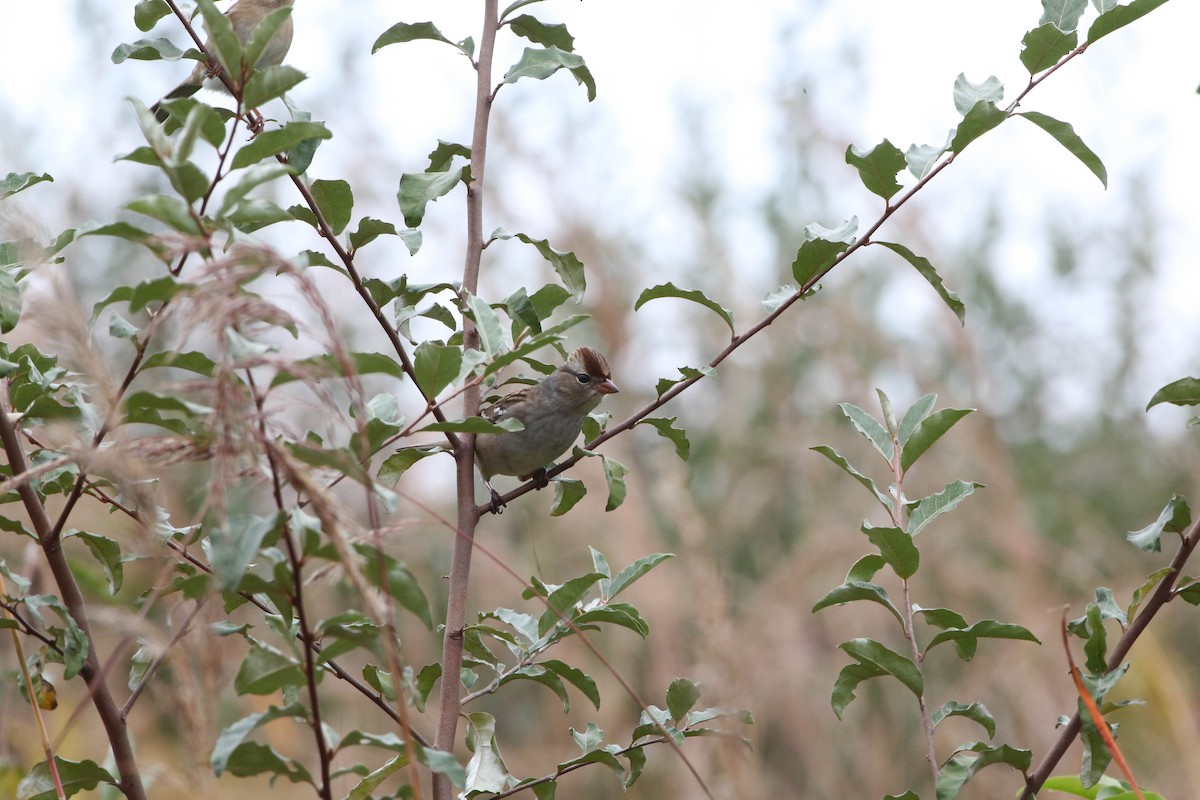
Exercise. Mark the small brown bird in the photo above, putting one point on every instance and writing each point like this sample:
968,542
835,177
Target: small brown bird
552,412
245,15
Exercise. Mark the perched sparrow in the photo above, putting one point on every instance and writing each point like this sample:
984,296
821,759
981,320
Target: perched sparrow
245,15
552,412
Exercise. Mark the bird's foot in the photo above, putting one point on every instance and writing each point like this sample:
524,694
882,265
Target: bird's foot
497,503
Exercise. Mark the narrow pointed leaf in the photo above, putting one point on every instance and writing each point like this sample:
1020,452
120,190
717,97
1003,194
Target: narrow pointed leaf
850,591
871,428
929,431
1119,17
1065,135
696,296
930,274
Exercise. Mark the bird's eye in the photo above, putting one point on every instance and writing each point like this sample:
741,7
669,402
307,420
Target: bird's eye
583,378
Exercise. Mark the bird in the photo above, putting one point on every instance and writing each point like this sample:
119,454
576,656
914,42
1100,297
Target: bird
552,412
245,16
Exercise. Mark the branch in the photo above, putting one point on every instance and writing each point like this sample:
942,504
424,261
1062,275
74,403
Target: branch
450,701
1163,593
130,782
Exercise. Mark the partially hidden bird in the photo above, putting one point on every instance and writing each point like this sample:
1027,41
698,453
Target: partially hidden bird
552,411
245,16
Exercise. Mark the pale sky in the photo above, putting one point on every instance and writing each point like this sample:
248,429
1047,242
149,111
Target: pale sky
1132,98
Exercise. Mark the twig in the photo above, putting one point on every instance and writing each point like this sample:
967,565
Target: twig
130,781
1162,594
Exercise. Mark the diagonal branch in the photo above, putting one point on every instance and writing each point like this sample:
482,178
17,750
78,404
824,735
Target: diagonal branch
129,782
1162,594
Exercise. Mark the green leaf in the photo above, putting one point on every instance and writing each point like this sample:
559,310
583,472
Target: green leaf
614,474
978,121
485,771
76,776
689,373
222,41
15,182
871,428
820,250
409,32
922,157
626,577
265,670
917,412
1044,46
961,767
853,590
268,83
147,12
260,39
925,510
682,695
577,678
250,758
840,460
10,302
984,629
436,366
273,142
170,211
1183,392
873,661
565,263
250,180
335,201
1062,14
928,431
370,229
562,599
865,568
159,49
541,33
1065,135
877,168
666,429
930,274
233,543
487,323
967,95
401,584
975,711
567,492
541,63
896,547
474,425
419,189
108,553
1119,17
1175,517
696,296
233,735
398,463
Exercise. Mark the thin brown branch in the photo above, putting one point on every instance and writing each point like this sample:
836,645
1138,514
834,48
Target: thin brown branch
450,699
129,780
1161,595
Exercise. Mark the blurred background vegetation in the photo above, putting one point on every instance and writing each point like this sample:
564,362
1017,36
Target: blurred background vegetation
1059,341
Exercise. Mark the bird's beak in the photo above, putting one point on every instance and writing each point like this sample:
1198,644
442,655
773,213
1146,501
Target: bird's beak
607,387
